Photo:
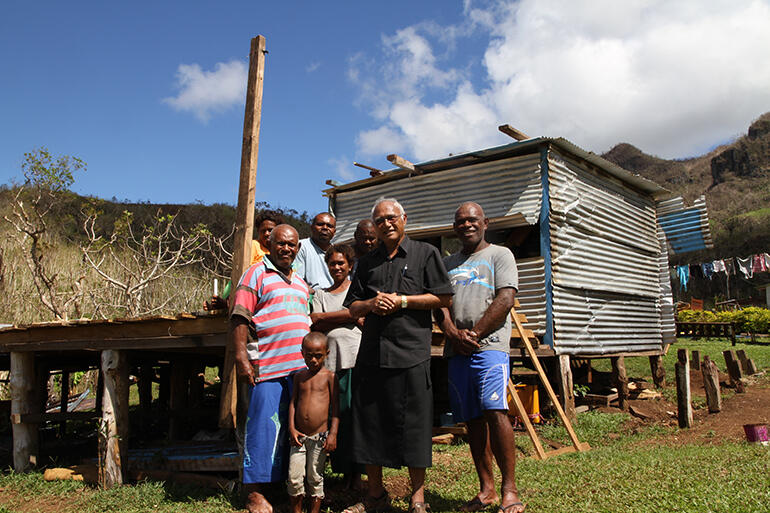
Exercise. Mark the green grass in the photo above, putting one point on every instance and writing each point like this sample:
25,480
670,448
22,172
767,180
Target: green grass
761,212
623,472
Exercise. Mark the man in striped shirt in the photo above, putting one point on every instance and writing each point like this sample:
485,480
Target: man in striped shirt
269,319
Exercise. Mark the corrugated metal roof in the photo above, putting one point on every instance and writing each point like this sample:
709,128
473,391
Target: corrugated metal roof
687,229
504,188
508,150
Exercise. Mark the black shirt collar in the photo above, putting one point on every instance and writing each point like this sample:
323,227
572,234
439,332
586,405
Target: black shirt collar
403,247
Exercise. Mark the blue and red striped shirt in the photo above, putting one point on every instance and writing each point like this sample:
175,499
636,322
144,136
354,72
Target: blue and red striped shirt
277,306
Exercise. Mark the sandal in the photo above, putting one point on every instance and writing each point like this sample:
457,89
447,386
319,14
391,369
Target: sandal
371,505
475,504
420,507
504,509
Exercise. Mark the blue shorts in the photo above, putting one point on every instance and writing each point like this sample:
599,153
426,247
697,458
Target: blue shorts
477,383
266,443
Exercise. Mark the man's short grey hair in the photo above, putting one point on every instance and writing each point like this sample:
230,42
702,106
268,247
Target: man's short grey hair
388,200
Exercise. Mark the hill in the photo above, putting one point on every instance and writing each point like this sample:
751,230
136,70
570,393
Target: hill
735,179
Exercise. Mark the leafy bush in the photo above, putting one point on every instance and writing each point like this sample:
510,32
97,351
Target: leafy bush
750,320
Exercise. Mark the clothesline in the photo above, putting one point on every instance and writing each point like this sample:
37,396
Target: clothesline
759,263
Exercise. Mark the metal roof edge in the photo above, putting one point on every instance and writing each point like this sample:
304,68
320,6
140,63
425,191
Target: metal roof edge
497,152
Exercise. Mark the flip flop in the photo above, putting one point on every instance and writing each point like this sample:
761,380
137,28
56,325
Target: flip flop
475,504
504,509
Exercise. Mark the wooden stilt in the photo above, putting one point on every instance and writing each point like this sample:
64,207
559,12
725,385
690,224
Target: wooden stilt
734,370
164,386
566,389
244,215
743,360
620,379
113,430
683,398
658,371
23,401
711,385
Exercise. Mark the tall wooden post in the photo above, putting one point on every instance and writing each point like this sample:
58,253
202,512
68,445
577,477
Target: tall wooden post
178,398
711,385
113,429
65,394
683,397
23,402
244,214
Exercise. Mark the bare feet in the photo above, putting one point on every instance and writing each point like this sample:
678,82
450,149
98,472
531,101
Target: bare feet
256,503
315,504
295,503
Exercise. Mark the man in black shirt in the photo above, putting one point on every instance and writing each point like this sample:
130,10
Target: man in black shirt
394,288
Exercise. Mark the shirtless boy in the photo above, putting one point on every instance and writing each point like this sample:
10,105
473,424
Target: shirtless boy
312,435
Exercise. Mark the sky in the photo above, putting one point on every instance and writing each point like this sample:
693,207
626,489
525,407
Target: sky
151,94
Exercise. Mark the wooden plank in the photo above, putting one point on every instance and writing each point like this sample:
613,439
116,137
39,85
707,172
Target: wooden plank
584,446
196,341
454,430
157,328
546,383
512,132
658,370
24,402
373,171
711,385
403,163
752,367
113,431
524,416
683,397
244,215
620,379
602,399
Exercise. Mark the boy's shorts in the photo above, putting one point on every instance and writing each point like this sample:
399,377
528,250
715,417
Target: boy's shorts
266,451
477,383
306,463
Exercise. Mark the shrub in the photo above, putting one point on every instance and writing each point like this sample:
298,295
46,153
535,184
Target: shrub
750,320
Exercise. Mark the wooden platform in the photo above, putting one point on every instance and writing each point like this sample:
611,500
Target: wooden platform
706,330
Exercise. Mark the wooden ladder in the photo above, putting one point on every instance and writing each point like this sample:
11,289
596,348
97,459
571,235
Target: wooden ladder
577,446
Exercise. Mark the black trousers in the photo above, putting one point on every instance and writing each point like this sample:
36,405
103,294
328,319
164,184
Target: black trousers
393,416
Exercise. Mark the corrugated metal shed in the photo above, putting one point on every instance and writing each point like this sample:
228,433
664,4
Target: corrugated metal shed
600,284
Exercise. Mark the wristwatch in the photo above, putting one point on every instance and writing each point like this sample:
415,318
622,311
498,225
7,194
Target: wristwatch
403,302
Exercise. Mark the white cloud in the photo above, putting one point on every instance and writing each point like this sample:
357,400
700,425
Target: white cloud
205,93
674,78
343,166
313,66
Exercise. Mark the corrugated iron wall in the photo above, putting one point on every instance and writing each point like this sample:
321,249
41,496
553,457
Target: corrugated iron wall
532,293
502,188
687,229
605,261
667,320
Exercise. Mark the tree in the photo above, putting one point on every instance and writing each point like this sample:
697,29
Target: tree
46,178
130,261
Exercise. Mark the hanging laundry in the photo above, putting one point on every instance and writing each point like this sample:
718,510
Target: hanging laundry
708,269
767,260
744,264
696,271
729,266
719,266
683,272
758,264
